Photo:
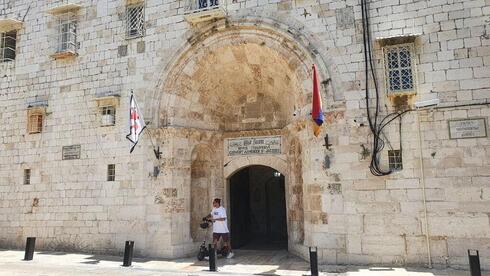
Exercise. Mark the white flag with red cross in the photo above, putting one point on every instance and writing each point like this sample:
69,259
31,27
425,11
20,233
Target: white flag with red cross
136,122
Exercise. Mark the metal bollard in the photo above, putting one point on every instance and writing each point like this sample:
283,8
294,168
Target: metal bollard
128,253
30,245
314,261
474,260
212,258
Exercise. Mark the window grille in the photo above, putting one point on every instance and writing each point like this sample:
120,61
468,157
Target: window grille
67,34
395,160
35,124
7,46
135,21
27,176
399,68
108,110
111,172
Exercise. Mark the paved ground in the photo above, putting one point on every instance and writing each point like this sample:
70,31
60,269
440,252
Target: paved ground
246,262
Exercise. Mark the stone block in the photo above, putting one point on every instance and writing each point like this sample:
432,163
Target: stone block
453,226
402,183
383,245
369,184
377,207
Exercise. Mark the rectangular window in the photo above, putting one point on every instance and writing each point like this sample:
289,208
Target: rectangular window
8,42
135,20
35,124
395,160
67,36
399,68
108,116
108,110
111,172
27,176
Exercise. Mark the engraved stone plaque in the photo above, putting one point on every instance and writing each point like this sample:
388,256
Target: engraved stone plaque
71,152
467,128
254,145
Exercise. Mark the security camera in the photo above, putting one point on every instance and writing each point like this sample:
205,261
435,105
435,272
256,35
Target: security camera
428,103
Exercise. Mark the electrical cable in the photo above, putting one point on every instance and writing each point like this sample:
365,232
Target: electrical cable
376,128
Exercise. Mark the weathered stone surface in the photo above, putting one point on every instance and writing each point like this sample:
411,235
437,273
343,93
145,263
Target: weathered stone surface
248,75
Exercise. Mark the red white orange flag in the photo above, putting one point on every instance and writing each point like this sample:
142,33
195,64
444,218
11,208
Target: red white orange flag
136,122
316,109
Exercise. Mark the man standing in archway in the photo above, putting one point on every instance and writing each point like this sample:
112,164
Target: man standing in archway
220,227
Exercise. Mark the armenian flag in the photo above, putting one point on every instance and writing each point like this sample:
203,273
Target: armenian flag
316,110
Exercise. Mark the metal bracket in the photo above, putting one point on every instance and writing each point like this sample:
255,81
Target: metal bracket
326,145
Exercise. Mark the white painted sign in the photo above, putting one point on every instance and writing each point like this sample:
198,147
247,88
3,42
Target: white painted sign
470,128
254,145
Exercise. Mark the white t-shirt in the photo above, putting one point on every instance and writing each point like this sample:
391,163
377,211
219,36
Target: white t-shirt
219,226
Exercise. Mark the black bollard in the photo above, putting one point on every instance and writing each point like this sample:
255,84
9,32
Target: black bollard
474,260
212,258
128,253
314,261
30,244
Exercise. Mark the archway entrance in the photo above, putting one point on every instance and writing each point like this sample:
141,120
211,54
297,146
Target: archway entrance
258,209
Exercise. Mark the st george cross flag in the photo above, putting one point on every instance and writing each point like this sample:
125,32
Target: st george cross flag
136,122
316,110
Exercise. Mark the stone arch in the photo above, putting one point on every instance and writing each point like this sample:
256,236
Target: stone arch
202,169
300,51
237,164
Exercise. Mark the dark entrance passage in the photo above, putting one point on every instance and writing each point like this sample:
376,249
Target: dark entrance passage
258,209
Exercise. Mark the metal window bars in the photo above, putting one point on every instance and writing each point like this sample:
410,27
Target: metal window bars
111,172
399,68
8,42
27,176
67,34
395,160
135,21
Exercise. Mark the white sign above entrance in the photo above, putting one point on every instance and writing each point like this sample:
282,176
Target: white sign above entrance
254,145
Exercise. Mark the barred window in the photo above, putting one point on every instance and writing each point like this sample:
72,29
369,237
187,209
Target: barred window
135,21
27,176
111,172
108,110
108,116
7,46
35,123
395,160
399,68
67,35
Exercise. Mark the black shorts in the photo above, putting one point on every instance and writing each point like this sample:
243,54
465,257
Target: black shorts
224,236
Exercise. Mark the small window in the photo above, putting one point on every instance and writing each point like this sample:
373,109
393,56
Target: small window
27,176
135,21
395,160
108,116
67,34
111,172
108,110
399,68
7,46
35,124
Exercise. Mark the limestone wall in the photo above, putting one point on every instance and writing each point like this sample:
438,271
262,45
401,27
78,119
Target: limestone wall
333,200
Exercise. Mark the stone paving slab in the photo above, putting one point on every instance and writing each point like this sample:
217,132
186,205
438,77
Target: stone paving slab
245,263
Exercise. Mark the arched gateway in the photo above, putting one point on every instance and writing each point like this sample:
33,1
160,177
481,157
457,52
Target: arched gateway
234,99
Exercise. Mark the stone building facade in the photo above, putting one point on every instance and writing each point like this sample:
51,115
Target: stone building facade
205,75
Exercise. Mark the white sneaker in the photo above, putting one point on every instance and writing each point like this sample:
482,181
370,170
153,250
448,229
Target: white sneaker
230,255
206,258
